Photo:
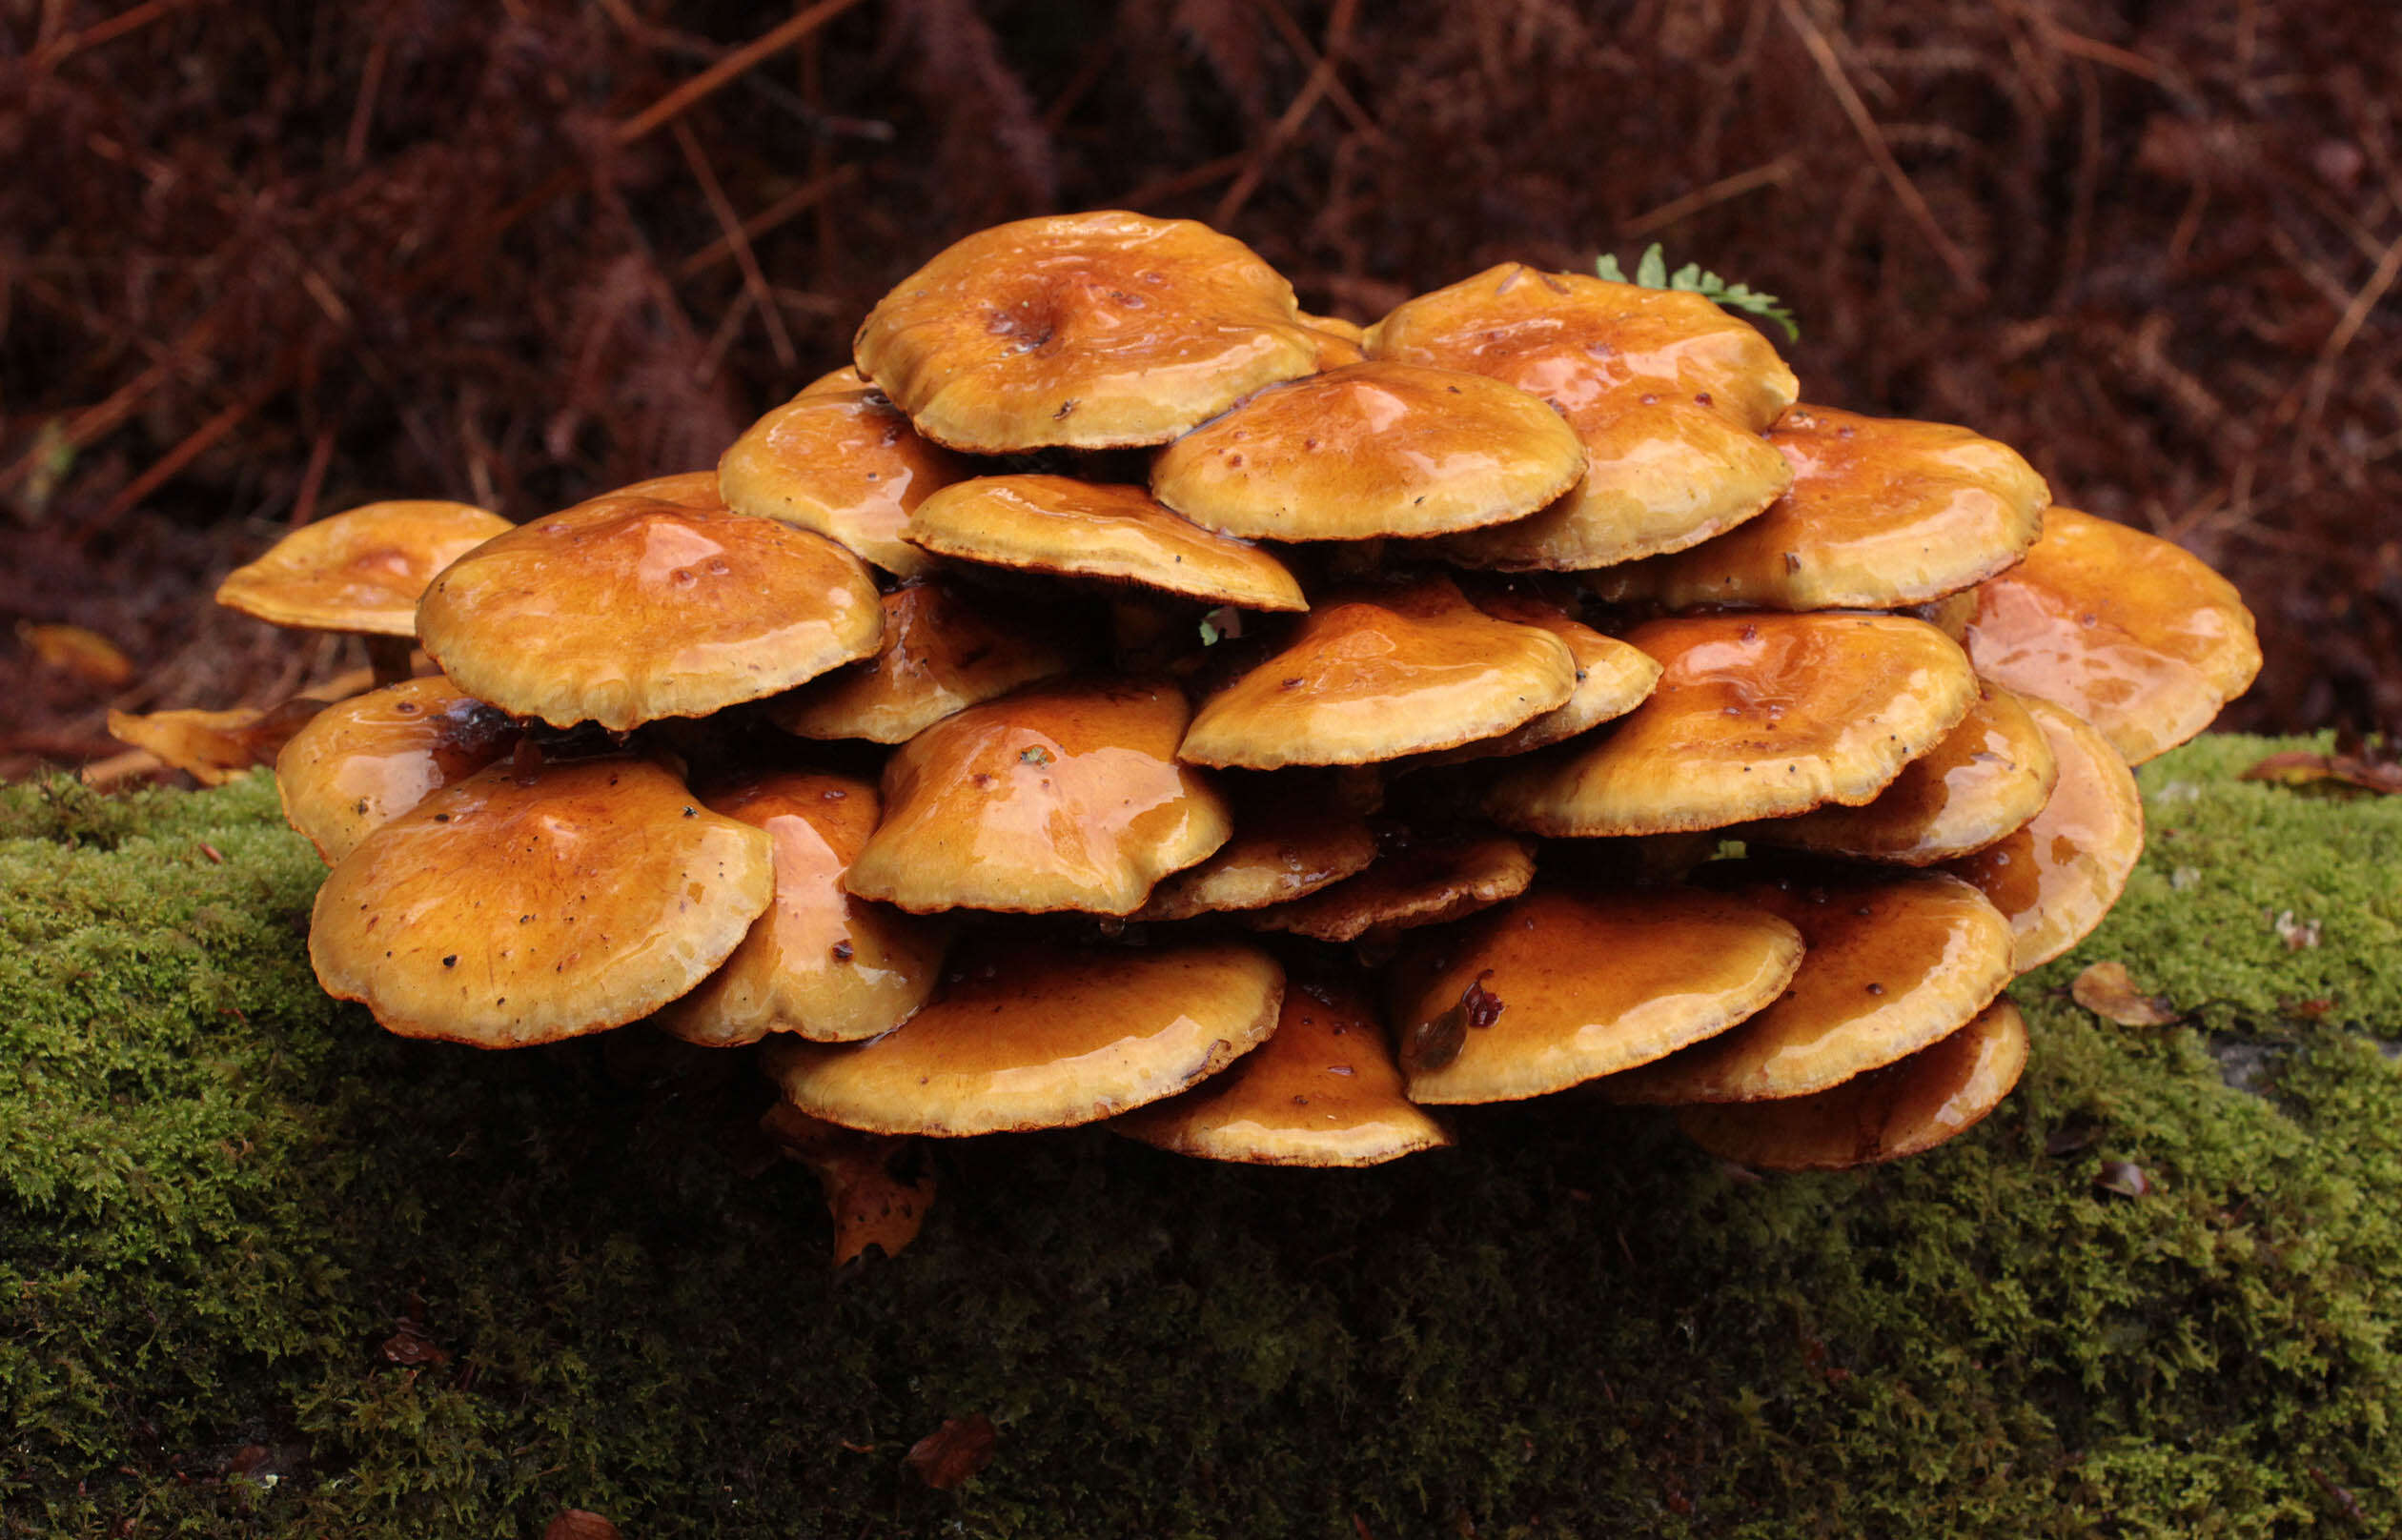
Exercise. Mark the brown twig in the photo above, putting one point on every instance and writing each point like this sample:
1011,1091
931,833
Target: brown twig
710,81
132,19
1710,196
799,201
1873,140
731,224
1307,53
1312,91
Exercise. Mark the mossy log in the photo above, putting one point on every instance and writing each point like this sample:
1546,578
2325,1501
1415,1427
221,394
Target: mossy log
265,1270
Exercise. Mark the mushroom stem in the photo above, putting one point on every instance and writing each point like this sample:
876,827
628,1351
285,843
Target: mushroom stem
389,657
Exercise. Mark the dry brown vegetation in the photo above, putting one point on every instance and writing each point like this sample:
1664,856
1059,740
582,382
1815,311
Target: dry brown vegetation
261,261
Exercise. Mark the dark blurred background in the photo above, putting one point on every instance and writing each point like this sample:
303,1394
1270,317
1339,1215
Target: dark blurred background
260,262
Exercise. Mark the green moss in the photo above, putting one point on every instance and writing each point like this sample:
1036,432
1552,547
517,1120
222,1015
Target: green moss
220,1192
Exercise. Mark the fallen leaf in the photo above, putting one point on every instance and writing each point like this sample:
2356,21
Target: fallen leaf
2370,766
410,1346
87,655
953,1452
2125,1178
875,1188
2109,991
214,746
579,1524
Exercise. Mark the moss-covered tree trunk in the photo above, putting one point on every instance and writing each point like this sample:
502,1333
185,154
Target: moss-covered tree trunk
265,1270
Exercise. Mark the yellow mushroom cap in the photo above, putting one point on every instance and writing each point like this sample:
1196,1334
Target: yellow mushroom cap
1754,717
1084,529
1388,673
685,489
2056,877
1086,331
1906,1108
1043,1038
360,762
1577,985
947,646
819,963
1894,960
1061,796
1613,677
843,463
516,907
1288,842
1425,884
1322,1090
625,610
1371,450
363,570
1881,513
1987,777
1575,339
2129,631
1661,474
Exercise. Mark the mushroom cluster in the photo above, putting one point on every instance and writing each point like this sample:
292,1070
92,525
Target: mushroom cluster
1121,696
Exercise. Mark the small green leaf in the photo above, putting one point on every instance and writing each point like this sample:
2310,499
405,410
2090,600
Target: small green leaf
1651,271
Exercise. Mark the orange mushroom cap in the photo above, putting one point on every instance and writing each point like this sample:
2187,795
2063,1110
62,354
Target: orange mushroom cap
362,571
1424,883
360,762
843,463
1288,842
2131,633
1088,330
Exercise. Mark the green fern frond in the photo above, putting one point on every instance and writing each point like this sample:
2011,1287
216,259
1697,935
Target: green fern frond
1651,271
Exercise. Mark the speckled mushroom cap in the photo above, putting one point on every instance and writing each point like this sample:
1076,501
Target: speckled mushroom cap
1424,883
819,963
947,646
1042,1037
360,762
1086,529
1906,1108
358,571
1576,984
1371,450
1987,777
1754,717
625,610
1322,1090
1612,678
1894,960
516,907
1288,842
1085,331
2058,876
1062,796
1381,673
1576,340
843,463
1883,513
2131,633
1662,473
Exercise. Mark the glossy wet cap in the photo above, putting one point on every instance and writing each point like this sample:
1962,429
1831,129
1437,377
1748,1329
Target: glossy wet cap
1042,1037
1085,331
1062,796
359,570
1288,842
2129,631
1613,677
1893,960
843,463
626,610
1562,987
2058,876
1374,449
1883,513
819,963
516,907
362,762
1575,339
1906,1108
1322,1090
947,646
1754,717
1423,883
1086,529
1987,777
1662,473
1383,674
